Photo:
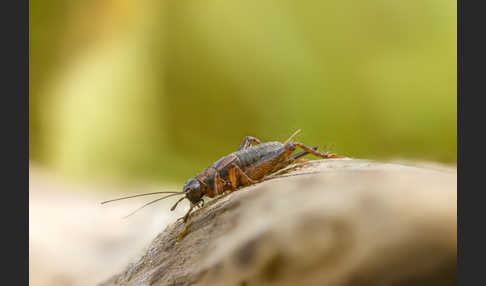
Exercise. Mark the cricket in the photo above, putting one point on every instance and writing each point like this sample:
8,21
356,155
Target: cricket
248,165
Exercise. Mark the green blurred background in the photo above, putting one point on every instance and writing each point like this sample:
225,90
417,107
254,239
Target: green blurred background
158,90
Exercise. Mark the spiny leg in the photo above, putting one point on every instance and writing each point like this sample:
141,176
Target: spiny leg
296,157
277,161
328,150
313,151
247,142
271,163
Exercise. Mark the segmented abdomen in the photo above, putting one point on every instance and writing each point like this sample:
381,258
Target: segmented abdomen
249,156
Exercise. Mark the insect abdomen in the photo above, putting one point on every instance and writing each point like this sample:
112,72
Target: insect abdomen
253,154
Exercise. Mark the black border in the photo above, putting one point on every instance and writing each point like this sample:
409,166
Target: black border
15,141
470,206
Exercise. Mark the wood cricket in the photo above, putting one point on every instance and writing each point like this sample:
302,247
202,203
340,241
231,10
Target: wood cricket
246,166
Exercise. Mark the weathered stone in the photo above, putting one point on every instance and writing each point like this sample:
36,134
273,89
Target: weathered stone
324,222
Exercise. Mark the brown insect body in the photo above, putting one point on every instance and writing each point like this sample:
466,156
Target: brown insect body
244,159
246,166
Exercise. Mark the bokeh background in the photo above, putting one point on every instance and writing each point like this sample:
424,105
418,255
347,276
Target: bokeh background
152,92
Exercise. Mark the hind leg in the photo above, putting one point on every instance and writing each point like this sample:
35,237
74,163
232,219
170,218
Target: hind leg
297,157
273,162
236,175
313,151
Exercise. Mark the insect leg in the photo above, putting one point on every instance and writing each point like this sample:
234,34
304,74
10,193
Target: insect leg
315,152
296,157
232,177
247,142
186,216
271,163
200,204
218,185
235,173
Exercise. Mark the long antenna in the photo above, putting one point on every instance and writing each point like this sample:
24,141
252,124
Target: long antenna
175,205
140,195
149,203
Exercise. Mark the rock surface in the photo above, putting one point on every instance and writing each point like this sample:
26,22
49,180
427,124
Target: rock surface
324,222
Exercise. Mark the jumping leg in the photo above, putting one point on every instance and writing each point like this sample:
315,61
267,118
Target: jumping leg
296,157
313,151
281,159
235,174
272,162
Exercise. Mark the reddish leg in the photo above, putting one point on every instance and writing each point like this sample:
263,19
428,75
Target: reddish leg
314,151
235,174
272,162
280,160
296,157
218,184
